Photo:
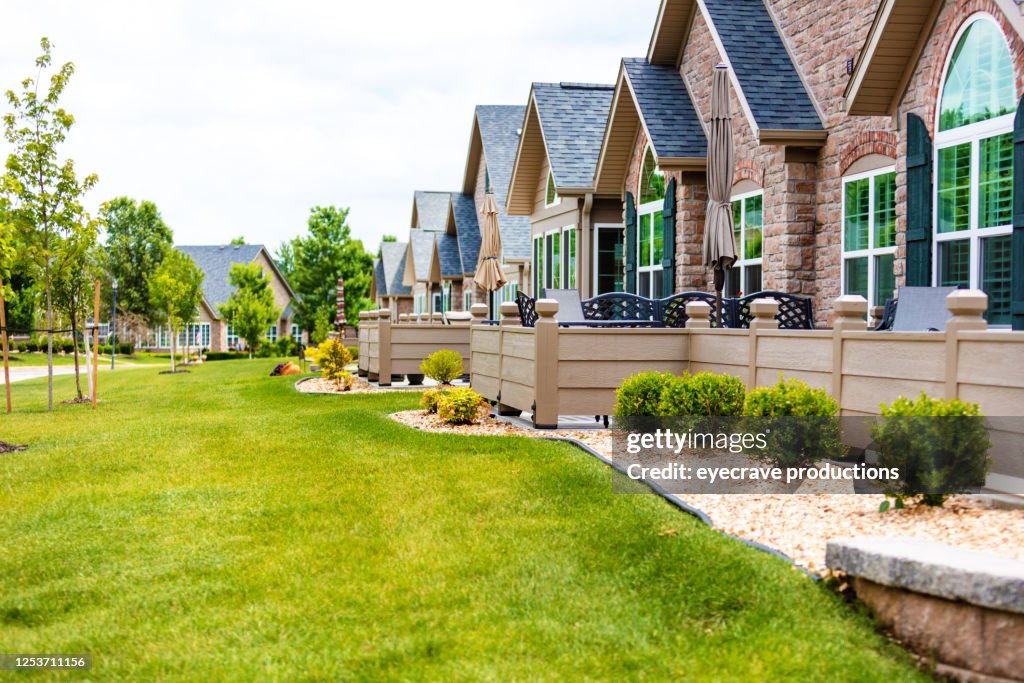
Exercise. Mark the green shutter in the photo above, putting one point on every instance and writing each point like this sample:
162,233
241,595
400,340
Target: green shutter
1017,249
630,283
919,203
668,259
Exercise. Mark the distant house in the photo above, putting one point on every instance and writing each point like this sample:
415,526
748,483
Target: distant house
387,289
210,330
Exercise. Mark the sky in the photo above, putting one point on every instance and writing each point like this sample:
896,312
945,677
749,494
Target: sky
236,118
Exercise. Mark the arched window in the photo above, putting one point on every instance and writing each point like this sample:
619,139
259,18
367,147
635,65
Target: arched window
974,166
650,222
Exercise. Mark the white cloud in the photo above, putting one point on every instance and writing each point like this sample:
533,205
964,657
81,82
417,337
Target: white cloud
237,117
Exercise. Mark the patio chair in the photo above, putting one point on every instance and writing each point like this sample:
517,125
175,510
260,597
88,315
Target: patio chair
888,314
527,311
621,306
921,309
571,311
795,311
673,309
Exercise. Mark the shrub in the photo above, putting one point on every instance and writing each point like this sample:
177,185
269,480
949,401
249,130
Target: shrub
462,406
640,394
266,349
67,345
344,380
104,349
940,447
285,347
22,347
442,366
431,397
126,348
332,357
224,355
354,352
704,394
800,423
32,345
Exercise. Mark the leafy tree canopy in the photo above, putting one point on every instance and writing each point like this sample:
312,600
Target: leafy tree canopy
250,309
138,239
175,290
238,240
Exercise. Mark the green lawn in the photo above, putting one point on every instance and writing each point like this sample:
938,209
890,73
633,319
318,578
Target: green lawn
218,525
25,360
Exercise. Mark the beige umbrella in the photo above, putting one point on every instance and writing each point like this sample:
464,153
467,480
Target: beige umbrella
488,266
719,241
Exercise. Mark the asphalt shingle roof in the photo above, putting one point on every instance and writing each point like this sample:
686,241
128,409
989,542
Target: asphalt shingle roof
422,249
467,225
500,127
448,252
666,109
573,117
432,209
767,76
215,261
392,263
379,278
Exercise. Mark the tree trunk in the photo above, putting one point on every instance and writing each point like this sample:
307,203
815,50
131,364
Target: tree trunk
174,343
74,338
49,338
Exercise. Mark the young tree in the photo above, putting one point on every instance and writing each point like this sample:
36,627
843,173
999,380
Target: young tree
238,241
327,253
176,290
44,193
137,242
75,271
250,309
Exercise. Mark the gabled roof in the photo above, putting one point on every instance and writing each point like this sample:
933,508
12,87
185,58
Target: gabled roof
772,93
216,260
898,35
421,262
448,255
467,228
494,139
654,98
564,124
430,210
391,264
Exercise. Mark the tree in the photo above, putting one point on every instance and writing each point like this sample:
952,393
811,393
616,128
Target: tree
250,309
76,268
43,192
138,239
240,240
317,260
388,238
176,290
285,260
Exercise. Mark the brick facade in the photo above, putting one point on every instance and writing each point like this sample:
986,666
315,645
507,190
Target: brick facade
803,187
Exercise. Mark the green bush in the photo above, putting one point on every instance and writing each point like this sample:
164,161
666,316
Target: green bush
354,352
462,406
265,349
704,394
67,345
32,345
104,349
333,357
794,442
442,366
224,355
940,447
22,347
431,397
126,349
285,347
640,394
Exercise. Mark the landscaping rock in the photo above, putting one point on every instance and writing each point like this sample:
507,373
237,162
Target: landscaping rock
932,569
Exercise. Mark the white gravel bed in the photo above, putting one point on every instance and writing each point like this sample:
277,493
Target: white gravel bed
799,525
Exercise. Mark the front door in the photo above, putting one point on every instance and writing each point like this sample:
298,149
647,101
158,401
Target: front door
608,259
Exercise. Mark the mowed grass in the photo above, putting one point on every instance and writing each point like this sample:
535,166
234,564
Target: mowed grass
217,525
38,359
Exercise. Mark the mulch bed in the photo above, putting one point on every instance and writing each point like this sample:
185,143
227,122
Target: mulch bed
11,447
799,525
320,385
174,372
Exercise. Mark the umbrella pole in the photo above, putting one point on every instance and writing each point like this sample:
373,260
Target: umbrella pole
719,285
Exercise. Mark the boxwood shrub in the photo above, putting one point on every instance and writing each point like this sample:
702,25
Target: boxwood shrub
801,423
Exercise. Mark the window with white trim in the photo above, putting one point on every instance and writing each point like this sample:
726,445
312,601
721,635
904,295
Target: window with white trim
297,333
974,166
650,227
446,296
272,334
232,336
467,299
538,265
748,230
869,234
507,292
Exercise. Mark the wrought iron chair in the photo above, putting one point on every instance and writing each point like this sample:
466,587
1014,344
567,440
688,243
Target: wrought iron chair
795,312
620,306
527,309
672,310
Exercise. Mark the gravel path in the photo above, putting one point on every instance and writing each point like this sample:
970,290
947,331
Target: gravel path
799,525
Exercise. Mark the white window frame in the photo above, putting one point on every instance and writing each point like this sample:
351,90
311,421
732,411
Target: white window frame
598,227
232,336
973,133
566,284
507,292
272,333
539,264
556,236
743,263
446,296
296,330
645,209
872,251
467,298
550,182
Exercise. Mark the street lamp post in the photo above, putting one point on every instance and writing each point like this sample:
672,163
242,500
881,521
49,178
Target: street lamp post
113,324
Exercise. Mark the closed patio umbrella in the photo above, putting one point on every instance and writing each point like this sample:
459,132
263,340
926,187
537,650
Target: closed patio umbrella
488,266
719,242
